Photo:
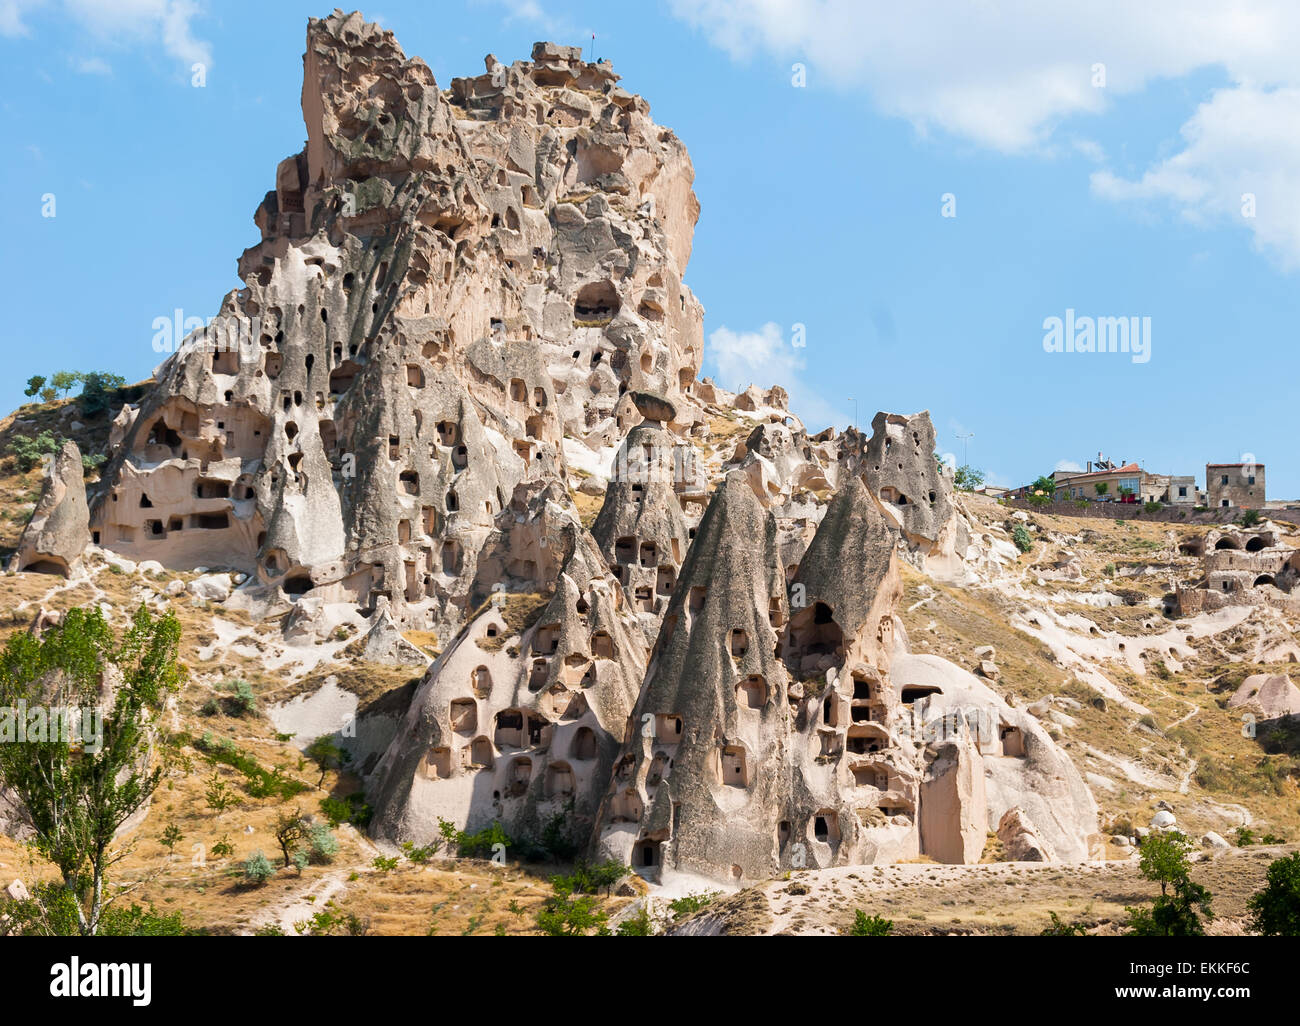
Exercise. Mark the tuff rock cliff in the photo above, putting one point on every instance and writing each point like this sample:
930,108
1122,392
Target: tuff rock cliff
463,326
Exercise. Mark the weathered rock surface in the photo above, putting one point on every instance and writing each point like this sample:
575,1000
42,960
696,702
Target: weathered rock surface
58,533
463,323
1271,695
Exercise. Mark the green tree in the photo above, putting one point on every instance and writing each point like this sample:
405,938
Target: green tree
65,381
219,795
1166,859
78,791
968,478
290,830
1102,487
870,926
1250,518
98,391
34,386
1275,910
1043,484
171,837
326,755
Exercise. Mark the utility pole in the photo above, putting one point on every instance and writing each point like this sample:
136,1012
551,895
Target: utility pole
964,439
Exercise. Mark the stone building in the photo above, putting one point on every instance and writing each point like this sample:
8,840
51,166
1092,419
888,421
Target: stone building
1234,484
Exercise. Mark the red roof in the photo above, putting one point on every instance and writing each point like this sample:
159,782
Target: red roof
1128,468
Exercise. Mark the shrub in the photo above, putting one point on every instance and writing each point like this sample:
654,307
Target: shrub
322,844
350,808
385,863
1275,910
870,926
586,879
566,916
223,849
638,925
1153,507
424,854
1060,928
258,869
1022,539
689,903
242,702
30,451
482,843
1250,518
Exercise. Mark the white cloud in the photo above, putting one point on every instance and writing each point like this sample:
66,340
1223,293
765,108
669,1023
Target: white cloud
1068,467
165,23
11,16
1242,141
1006,75
93,66
764,358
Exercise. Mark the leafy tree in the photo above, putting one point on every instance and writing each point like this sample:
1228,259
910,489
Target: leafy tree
1043,484
79,791
222,848
870,926
1040,500
98,390
1250,518
49,394
1275,910
326,755
1165,859
1102,487
968,478
51,911
65,381
219,795
34,385
290,830
171,837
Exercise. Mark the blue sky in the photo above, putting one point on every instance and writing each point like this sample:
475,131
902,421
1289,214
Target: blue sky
822,204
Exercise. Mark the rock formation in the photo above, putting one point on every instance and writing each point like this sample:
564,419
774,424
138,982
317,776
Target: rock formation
57,534
466,313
